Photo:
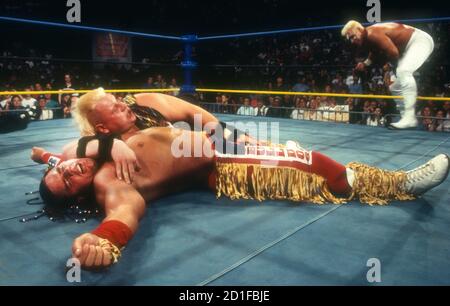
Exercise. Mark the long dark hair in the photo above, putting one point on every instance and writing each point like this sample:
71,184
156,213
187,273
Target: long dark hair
84,206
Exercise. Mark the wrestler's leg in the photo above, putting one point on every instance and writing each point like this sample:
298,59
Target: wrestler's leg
301,175
374,185
339,178
334,173
417,53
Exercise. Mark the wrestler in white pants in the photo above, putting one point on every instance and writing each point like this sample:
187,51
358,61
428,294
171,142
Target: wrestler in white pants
417,51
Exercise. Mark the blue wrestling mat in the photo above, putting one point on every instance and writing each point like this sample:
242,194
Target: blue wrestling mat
194,239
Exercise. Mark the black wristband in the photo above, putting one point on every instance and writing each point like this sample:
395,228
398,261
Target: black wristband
82,144
105,144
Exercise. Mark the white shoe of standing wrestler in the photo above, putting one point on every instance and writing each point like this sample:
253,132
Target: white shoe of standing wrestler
405,123
427,176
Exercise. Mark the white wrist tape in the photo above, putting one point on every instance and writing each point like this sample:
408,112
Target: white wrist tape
367,62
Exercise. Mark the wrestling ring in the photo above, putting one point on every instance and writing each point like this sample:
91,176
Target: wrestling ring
194,239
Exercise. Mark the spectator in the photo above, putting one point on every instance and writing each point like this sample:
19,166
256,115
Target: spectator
261,109
254,101
224,104
28,101
431,105
354,84
366,112
301,85
427,123
150,84
160,82
246,109
4,102
442,123
173,84
288,101
62,103
17,118
232,105
37,87
68,81
69,102
299,112
353,116
376,118
44,112
62,97
274,109
338,84
279,85
16,103
51,104
322,49
372,106
311,113
313,86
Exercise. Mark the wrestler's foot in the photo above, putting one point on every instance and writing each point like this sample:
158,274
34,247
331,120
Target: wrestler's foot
404,123
427,176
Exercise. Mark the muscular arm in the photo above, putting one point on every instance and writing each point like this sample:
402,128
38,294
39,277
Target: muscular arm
174,109
177,110
123,204
121,201
70,149
124,158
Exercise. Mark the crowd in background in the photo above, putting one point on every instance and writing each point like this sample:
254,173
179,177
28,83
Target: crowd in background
306,62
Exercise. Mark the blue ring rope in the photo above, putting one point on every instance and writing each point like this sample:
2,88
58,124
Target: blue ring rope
331,27
78,27
296,30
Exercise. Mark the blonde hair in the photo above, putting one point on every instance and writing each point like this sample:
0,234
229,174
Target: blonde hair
83,107
352,24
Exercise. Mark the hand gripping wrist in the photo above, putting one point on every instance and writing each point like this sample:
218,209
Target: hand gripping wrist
367,62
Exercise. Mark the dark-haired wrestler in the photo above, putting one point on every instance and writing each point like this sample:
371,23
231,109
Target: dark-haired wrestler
169,165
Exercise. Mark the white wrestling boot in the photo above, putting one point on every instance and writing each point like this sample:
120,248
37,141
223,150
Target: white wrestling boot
427,176
400,107
408,117
405,123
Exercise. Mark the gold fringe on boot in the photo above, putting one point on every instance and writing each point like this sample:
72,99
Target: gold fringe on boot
376,186
246,181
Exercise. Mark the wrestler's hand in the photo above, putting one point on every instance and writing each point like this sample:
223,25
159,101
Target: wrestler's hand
360,67
36,154
86,249
125,161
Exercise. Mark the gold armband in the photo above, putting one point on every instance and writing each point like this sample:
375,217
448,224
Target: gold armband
114,251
